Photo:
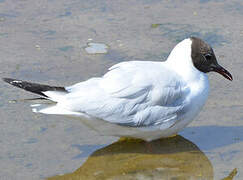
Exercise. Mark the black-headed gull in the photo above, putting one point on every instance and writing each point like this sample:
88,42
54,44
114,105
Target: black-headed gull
141,99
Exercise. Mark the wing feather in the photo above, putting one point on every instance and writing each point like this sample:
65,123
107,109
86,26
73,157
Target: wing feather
135,93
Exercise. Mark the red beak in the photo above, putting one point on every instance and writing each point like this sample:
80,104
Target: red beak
219,69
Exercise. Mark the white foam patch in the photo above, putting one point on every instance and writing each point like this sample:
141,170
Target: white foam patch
96,48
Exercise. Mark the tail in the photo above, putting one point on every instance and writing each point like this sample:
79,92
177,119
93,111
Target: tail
52,93
40,89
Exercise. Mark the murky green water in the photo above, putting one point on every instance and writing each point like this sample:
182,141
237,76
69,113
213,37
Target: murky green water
44,41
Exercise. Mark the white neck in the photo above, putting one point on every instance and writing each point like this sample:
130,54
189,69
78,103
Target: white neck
180,61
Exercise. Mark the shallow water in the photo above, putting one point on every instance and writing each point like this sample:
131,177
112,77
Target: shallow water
44,41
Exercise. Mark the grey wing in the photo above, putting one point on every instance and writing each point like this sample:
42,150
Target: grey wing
130,94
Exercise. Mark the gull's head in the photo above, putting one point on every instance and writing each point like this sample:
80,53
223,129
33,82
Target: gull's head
204,59
197,53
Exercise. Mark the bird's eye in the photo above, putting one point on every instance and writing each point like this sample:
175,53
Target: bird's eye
208,57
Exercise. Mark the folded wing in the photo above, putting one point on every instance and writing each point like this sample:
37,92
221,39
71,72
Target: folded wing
135,93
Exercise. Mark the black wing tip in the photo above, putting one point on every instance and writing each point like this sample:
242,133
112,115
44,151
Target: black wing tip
8,80
12,81
33,87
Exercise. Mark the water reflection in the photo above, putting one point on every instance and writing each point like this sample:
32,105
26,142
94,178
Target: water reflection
171,158
231,175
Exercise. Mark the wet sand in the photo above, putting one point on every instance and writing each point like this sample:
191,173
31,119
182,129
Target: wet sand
44,42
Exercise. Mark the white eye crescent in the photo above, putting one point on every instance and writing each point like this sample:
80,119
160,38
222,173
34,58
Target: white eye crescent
208,57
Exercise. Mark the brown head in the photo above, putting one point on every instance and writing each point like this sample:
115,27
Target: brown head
204,58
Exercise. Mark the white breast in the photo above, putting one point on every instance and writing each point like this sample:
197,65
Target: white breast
195,101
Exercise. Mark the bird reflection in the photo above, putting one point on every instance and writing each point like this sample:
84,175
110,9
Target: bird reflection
171,158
